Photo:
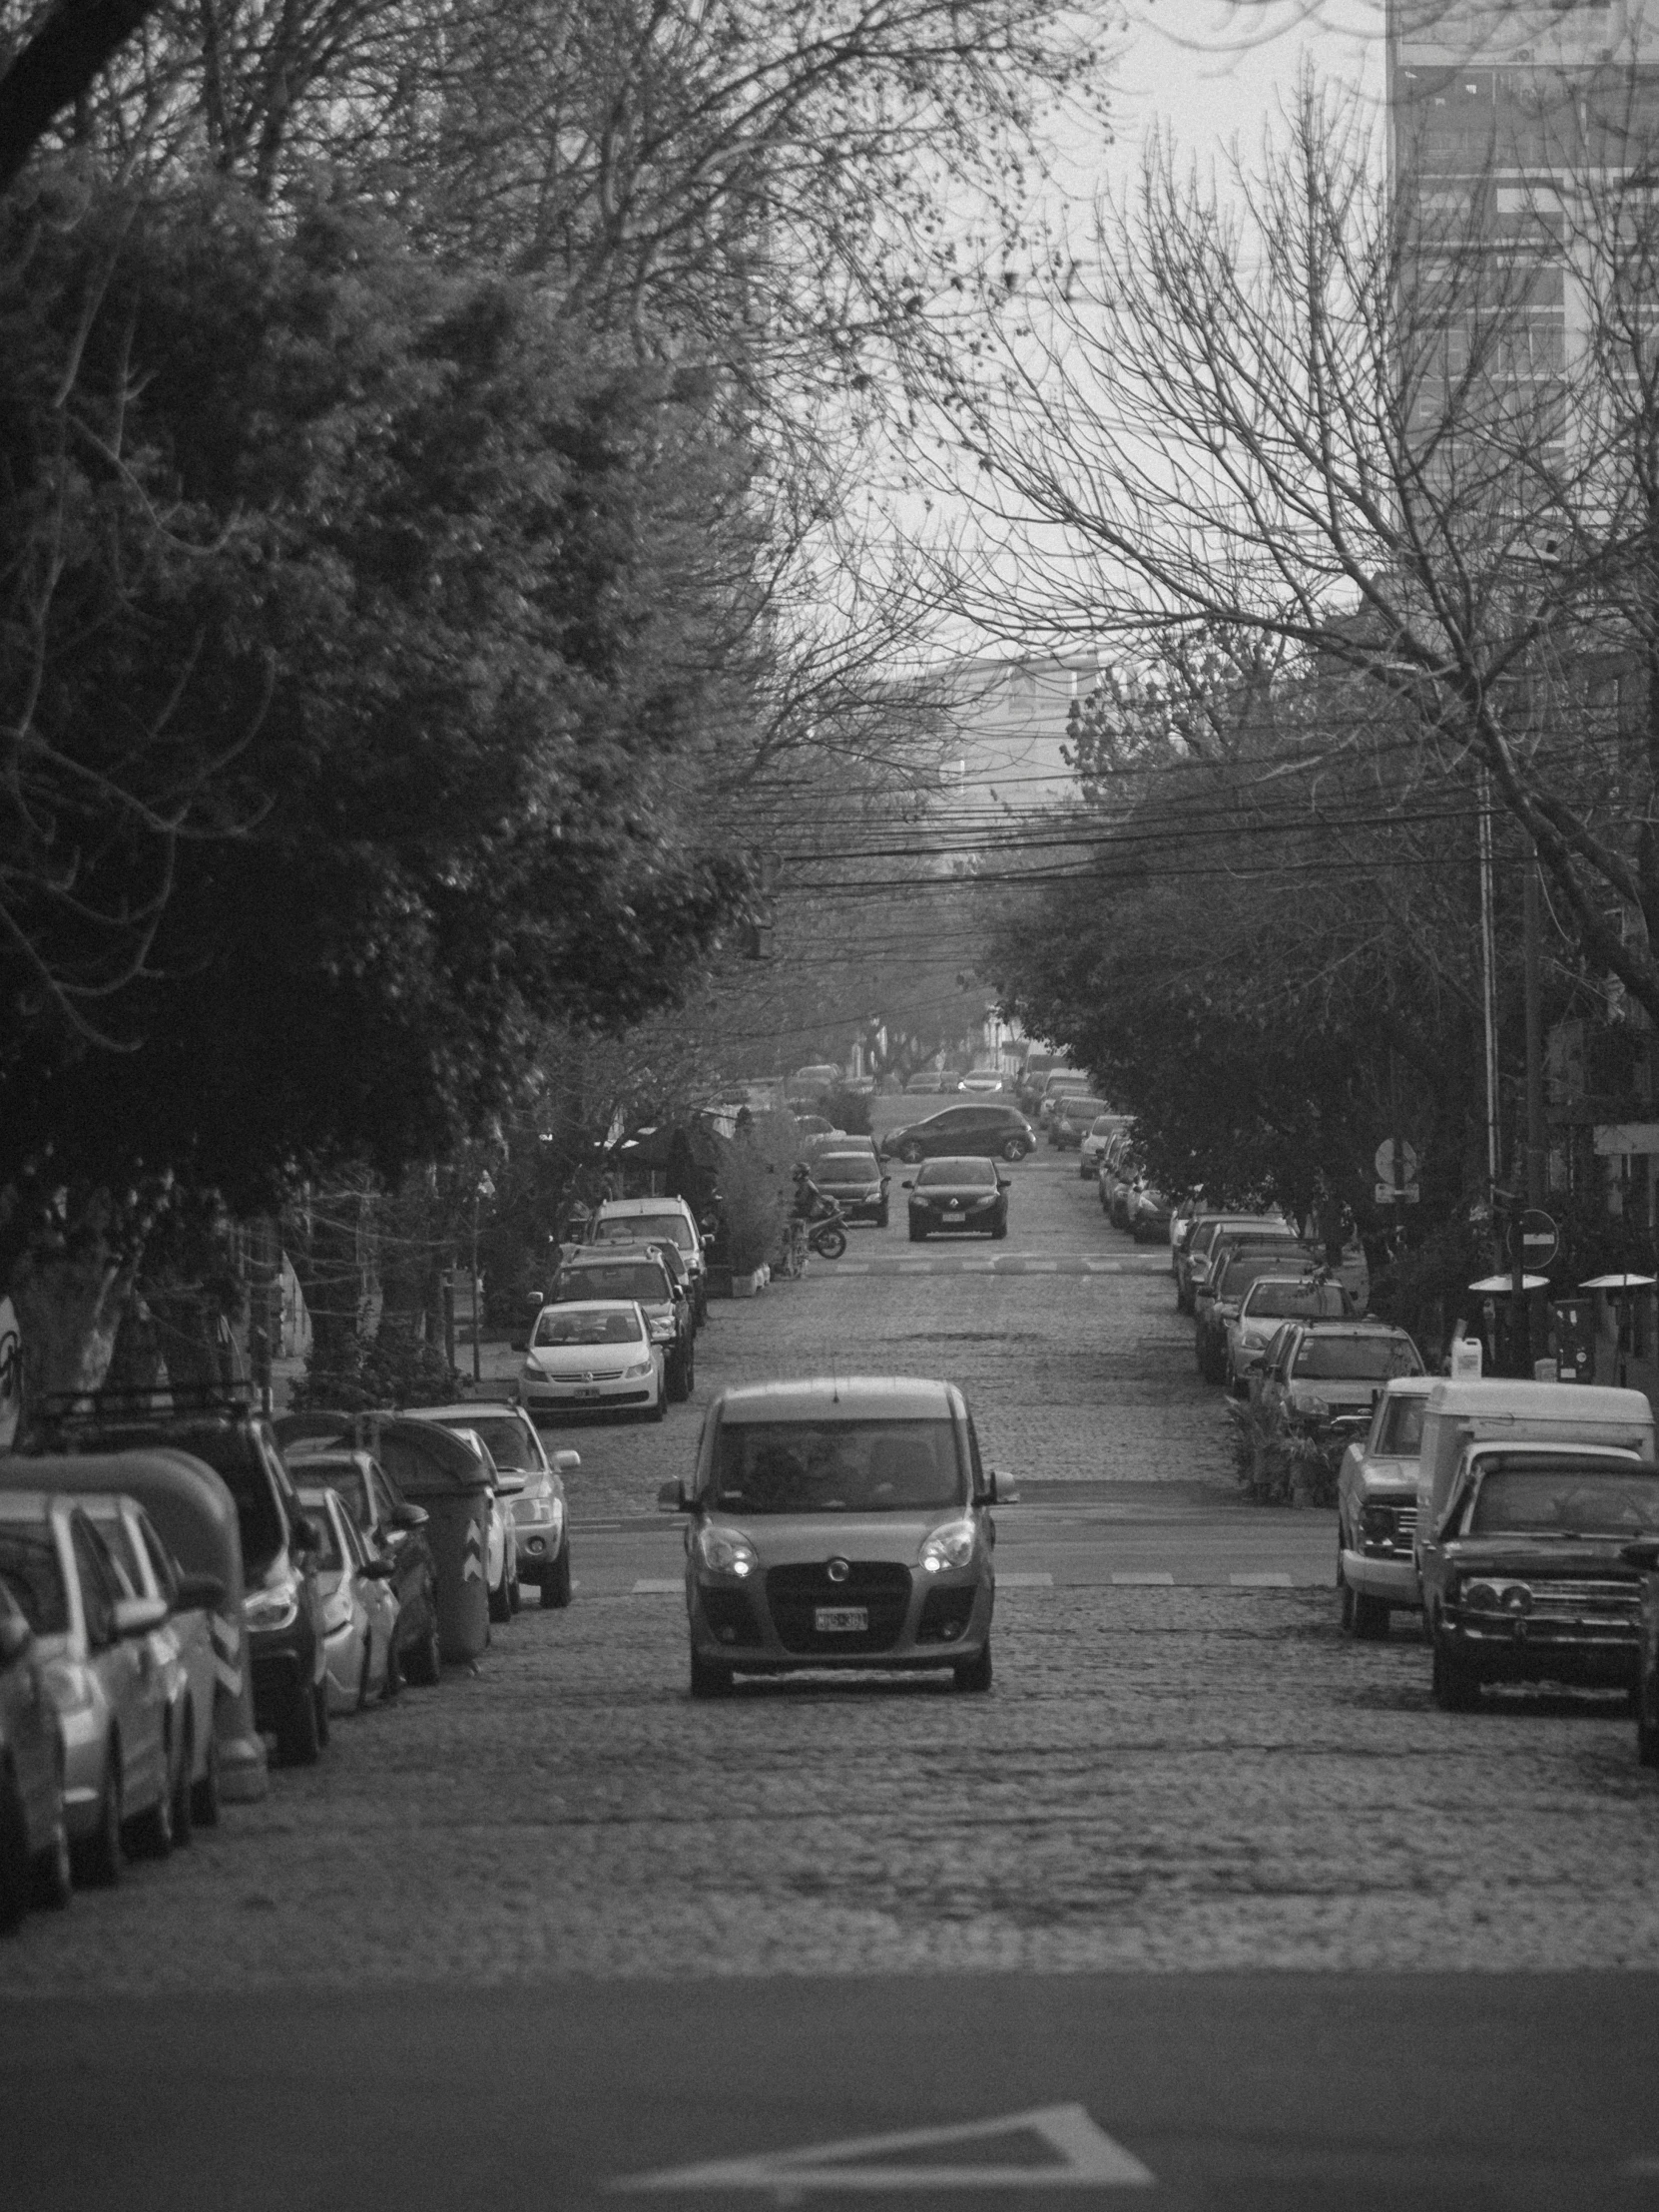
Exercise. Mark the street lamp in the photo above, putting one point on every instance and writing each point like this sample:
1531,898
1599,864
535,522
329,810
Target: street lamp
1624,1283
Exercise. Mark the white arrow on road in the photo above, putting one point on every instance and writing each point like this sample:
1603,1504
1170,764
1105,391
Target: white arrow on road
1082,2156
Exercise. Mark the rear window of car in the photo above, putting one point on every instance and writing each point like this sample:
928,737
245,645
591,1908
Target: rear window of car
1566,1501
1357,1359
974,1174
585,1329
233,1455
30,1570
843,1167
1083,1109
871,1466
1271,1300
346,1480
643,1279
646,1229
1246,1267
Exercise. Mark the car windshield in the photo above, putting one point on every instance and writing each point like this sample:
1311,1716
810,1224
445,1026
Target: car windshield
586,1329
857,1466
1103,1125
971,1174
348,1482
636,1279
30,1570
671,1229
1565,1500
315,1503
1271,1300
1400,1435
1357,1359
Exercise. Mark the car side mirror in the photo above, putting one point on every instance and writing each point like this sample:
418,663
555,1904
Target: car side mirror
16,1636
672,1498
199,1593
567,1461
907,1186
139,1616
1004,1489
508,1486
377,1570
409,1516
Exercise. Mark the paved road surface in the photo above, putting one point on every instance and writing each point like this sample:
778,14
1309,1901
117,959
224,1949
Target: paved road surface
1198,1866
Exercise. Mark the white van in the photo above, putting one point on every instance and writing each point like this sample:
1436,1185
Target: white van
1499,1411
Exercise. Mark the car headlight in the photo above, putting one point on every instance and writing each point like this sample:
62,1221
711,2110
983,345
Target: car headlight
981,1202
949,1546
725,1551
640,1367
278,1607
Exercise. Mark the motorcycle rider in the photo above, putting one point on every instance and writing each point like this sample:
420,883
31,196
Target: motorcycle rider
805,1207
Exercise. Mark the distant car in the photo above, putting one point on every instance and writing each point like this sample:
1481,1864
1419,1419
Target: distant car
1192,1254
1061,1083
986,1129
1377,1510
849,1173
1096,1137
657,1220
841,1523
929,1080
392,1530
643,1279
1318,1378
858,1086
593,1355
964,1196
109,1705
1525,1578
541,1510
812,1126
1074,1115
1238,1266
806,1085
986,1083
501,1548
34,1833
359,1613
1269,1301
1147,1211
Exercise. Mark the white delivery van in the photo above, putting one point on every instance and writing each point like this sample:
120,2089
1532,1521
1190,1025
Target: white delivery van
1499,1411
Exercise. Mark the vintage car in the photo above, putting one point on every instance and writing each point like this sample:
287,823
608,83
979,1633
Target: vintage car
1377,1510
839,1522
1524,1578
1643,1555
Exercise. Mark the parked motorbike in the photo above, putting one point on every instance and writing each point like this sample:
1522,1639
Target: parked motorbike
828,1234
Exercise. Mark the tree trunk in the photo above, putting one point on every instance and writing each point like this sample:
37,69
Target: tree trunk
69,1308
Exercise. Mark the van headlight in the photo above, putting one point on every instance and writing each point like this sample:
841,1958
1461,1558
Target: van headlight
276,1607
949,1546
725,1551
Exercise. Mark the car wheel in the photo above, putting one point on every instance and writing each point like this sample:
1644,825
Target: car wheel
14,1856
425,1662
54,1873
1455,1686
204,1795
975,1673
298,1739
709,1677
912,1153
96,1857
183,1811
500,1601
555,1589
1371,1618
882,1217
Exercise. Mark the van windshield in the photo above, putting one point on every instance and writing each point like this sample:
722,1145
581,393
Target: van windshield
1401,1437
843,1467
672,1229
1566,1501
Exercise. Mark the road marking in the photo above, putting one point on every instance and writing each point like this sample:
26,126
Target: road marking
1012,1262
1081,2156
1025,1582
1260,1581
653,1586
1143,1581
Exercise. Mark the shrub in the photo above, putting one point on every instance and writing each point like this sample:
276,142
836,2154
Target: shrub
394,1368
754,1191
1282,1463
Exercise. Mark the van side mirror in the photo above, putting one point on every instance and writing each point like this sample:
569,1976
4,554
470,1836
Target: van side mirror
508,1486
671,1498
1003,1487
567,1461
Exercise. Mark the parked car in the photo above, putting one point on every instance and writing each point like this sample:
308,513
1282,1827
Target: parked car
593,1355
808,1084
359,1613
1192,1258
34,1829
1073,1116
839,1522
1377,1510
1461,1416
1267,1301
181,1651
639,1278
540,1510
1120,1164
929,1081
1096,1137
985,1130
1319,1378
1234,1267
658,1221
850,1172
282,1611
1147,1211
963,1195
986,1083
393,1531
1061,1083
89,1633
1524,1577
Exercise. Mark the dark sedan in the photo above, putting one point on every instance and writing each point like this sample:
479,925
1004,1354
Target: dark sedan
851,1175
985,1130
966,1196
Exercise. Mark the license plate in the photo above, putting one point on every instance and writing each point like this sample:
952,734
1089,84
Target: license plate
590,1393
840,1620
953,1213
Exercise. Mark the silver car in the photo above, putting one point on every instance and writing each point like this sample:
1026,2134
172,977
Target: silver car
841,1524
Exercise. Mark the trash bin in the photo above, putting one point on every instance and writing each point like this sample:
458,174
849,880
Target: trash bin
439,1471
195,1517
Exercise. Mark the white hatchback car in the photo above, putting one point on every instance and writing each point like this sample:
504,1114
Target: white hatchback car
593,1355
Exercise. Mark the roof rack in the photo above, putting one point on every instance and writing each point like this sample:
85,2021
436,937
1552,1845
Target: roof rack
154,1402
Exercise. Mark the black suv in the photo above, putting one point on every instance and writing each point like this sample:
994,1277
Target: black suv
982,1132
283,1611
638,1272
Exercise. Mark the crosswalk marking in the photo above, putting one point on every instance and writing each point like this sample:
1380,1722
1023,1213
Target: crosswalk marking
959,1262
1143,1581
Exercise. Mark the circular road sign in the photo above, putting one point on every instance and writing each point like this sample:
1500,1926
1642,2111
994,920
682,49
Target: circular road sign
1539,1238
1385,1162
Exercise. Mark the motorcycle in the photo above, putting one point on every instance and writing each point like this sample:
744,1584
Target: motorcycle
828,1234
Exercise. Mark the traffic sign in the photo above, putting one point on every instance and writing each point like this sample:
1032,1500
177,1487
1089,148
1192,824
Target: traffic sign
1385,1154
1540,1240
1388,1195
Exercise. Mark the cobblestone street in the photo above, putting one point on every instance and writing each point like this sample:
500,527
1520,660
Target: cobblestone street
1180,1778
